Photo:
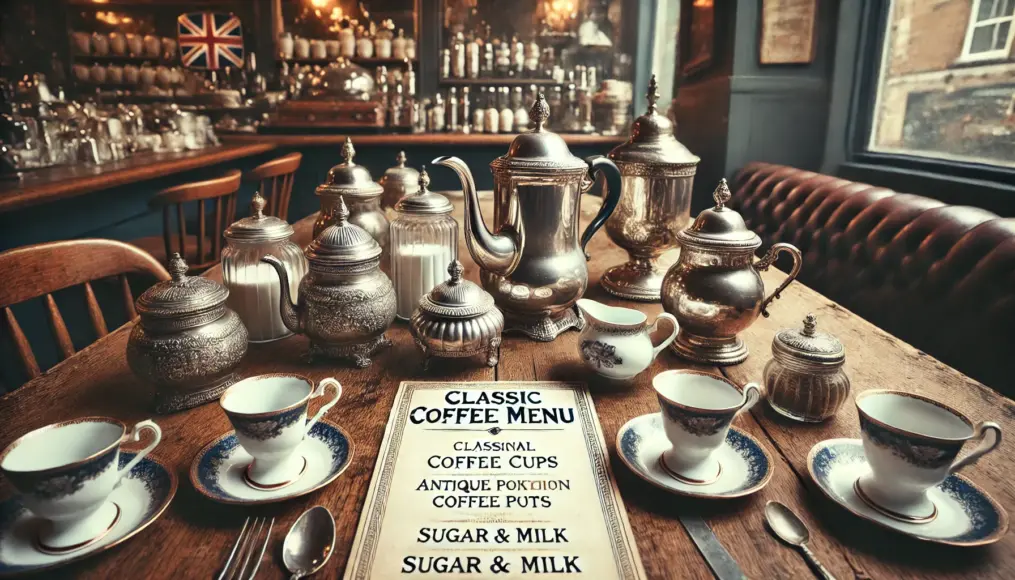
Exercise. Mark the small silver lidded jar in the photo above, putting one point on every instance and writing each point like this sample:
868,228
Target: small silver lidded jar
353,183
188,342
804,380
253,285
458,319
398,182
657,174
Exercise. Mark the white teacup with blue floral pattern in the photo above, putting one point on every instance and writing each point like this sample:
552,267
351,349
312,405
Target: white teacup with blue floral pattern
912,443
697,410
269,414
65,472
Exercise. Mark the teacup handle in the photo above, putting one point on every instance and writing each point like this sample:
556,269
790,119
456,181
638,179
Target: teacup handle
987,444
325,407
655,325
752,394
135,435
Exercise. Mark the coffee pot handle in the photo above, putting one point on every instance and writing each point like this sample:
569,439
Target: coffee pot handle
319,391
599,164
665,343
135,435
768,259
987,444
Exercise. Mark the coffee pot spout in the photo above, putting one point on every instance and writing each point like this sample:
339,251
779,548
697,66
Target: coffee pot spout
497,253
289,311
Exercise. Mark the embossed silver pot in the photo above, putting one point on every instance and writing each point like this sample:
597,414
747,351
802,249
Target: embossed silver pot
187,343
346,302
714,288
353,183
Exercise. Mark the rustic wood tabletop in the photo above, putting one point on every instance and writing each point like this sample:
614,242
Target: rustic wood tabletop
193,537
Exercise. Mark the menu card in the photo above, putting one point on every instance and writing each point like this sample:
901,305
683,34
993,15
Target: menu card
493,480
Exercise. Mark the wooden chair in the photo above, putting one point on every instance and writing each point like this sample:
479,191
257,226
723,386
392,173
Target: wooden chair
42,269
200,250
276,182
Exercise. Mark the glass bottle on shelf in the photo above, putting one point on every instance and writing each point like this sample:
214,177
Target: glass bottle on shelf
453,125
466,111
521,113
491,118
517,57
458,56
409,80
364,44
346,39
506,113
488,60
396,107
503,64
423,235
556,101
381,82
439,114
398,45
446,63
382,41
410,48
472,57
532,59
479,112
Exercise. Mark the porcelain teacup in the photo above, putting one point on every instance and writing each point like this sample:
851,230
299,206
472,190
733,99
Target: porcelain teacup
616,342
912,443
269,414
65,473
697,410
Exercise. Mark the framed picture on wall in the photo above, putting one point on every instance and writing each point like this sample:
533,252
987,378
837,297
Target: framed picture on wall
787,31
697,36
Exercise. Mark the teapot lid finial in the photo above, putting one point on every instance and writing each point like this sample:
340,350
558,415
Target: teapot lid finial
810,325
424,180
400,158
456,270
721,195
653,94
343,212
257,206
178,267
540,112
348,152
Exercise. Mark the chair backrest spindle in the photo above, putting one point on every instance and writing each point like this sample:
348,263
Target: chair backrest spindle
202,254
275,179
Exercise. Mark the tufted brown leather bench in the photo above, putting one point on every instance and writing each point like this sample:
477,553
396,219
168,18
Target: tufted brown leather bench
940,277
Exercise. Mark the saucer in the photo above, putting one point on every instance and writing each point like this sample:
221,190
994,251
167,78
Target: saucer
140,498
966,515
745,465
219,470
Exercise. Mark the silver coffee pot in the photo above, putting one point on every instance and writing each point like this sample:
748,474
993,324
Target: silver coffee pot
533,263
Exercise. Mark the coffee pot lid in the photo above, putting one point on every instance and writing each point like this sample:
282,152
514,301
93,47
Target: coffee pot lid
424,201
652,141
539,149
348,178
720,225
182,294
808,344
400,176
343,243
457,297
259,227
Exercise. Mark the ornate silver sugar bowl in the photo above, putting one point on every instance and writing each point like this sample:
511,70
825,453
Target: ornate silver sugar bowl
354,184
188,342
457,319
804,380
657,174
714,288
534,262
398,181
345,301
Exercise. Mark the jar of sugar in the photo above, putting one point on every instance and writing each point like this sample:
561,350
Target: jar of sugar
424,240
253,285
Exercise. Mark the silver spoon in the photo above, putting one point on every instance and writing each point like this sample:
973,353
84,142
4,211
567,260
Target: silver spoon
788,527
309,543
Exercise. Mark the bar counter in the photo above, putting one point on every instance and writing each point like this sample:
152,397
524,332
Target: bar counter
606,142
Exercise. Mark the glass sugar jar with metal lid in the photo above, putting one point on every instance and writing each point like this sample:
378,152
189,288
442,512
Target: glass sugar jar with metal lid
424,240
362,195
657,174
457,319
253,286
188,342
804,379
398,181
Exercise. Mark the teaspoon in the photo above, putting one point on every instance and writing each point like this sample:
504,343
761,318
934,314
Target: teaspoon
309,543
788,527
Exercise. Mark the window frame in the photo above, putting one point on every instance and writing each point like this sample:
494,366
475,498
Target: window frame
973,24
875,15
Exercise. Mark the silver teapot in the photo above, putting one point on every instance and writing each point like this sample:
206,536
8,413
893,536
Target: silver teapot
714,289
534,265
346,302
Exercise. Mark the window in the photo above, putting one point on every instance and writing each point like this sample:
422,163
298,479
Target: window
990,31
946,91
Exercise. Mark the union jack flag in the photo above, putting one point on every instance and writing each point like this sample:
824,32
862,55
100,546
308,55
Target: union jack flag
210,40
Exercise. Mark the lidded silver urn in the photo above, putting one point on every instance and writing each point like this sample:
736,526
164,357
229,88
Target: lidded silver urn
187,343
354,184
398,181
657,175
714,289
346,302
533,263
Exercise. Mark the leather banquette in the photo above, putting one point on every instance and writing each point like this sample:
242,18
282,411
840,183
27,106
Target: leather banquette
941,277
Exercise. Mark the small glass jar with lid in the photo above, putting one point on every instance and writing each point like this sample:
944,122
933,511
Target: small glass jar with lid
804,380
424,240
253,286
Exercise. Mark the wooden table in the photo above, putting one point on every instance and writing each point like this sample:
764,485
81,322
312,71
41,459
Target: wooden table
43,185
194,536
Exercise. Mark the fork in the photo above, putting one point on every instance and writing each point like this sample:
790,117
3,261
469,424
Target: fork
244,549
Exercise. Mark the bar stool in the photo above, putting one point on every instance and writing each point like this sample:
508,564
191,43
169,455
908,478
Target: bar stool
200,250
276,182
